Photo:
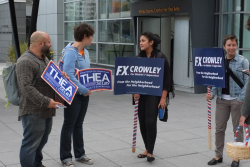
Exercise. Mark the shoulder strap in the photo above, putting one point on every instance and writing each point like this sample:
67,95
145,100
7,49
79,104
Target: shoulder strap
64,53
230,72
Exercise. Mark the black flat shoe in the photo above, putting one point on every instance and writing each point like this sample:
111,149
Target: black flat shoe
235,164
141,156
214,161
150,159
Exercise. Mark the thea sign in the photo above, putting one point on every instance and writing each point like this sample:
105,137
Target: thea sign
52,75
96,79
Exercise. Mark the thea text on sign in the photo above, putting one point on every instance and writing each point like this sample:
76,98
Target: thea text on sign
95,77
62,81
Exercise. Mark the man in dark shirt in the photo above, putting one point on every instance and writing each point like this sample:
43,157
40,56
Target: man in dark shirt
36,105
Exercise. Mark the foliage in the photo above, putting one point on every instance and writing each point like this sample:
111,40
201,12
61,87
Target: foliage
23,48
11,51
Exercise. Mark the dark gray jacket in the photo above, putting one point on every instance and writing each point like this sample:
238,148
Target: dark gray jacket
245,110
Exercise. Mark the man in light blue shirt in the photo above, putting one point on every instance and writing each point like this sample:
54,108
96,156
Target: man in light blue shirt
229,99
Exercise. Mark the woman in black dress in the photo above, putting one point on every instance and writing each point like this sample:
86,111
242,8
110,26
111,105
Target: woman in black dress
149,105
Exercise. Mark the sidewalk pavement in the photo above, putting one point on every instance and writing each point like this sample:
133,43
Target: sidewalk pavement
108,125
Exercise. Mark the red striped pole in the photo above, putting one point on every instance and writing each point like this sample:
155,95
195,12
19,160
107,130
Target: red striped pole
135,125
209,120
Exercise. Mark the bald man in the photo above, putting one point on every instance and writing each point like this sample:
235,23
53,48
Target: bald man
36,105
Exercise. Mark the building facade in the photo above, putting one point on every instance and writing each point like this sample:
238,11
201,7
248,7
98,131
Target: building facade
182,25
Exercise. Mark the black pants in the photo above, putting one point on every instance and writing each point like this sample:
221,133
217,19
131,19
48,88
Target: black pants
147,113
74,116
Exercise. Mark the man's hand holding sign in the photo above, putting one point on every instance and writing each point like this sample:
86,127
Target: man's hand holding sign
59,81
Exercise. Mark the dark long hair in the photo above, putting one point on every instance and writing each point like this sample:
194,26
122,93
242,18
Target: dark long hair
151,37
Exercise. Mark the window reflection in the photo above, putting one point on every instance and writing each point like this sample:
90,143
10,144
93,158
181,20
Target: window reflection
116,31
108,52
114,9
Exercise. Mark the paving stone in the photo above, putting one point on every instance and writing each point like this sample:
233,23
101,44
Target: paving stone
119,133
197,145
12,157
157,162
124,156
107,145
170,149
10,135
10,145
175,136
194,160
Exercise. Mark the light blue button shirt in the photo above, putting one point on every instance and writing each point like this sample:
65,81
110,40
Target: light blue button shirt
238,62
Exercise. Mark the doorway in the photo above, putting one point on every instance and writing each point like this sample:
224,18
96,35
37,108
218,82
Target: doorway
175,44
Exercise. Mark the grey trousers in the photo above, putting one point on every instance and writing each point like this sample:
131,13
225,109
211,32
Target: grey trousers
223,110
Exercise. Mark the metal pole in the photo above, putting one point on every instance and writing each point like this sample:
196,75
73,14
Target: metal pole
35,8
14,28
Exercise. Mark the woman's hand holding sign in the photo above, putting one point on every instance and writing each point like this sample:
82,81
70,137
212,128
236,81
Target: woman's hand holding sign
136,96
208,97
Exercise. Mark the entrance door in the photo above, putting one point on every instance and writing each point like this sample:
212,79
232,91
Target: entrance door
175,44
150,24
183,69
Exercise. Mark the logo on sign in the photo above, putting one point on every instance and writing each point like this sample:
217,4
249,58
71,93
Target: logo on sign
123,70
208,61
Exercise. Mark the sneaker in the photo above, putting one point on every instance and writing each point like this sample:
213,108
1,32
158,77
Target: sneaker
68,164
85,160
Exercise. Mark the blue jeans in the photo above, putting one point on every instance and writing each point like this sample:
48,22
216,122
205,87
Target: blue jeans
36,131
73,120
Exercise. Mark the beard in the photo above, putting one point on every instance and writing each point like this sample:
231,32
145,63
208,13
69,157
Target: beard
45,49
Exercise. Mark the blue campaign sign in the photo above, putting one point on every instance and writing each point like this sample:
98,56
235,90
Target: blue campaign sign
61,67
209,67
135,75
52,75
96,79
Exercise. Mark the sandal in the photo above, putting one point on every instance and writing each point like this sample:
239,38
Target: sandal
150,159
141,156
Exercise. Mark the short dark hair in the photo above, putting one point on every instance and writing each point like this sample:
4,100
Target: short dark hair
230,37
248,24
152,37
81,30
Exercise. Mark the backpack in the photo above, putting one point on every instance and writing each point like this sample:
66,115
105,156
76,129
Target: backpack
10,81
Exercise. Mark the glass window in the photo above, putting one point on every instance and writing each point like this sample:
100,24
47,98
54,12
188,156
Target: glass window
92,52
108,52
125,8
236,5
69,11
69,32
246,33
85,10
114,9
246,53
232,6
231,24
116,31
80,10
